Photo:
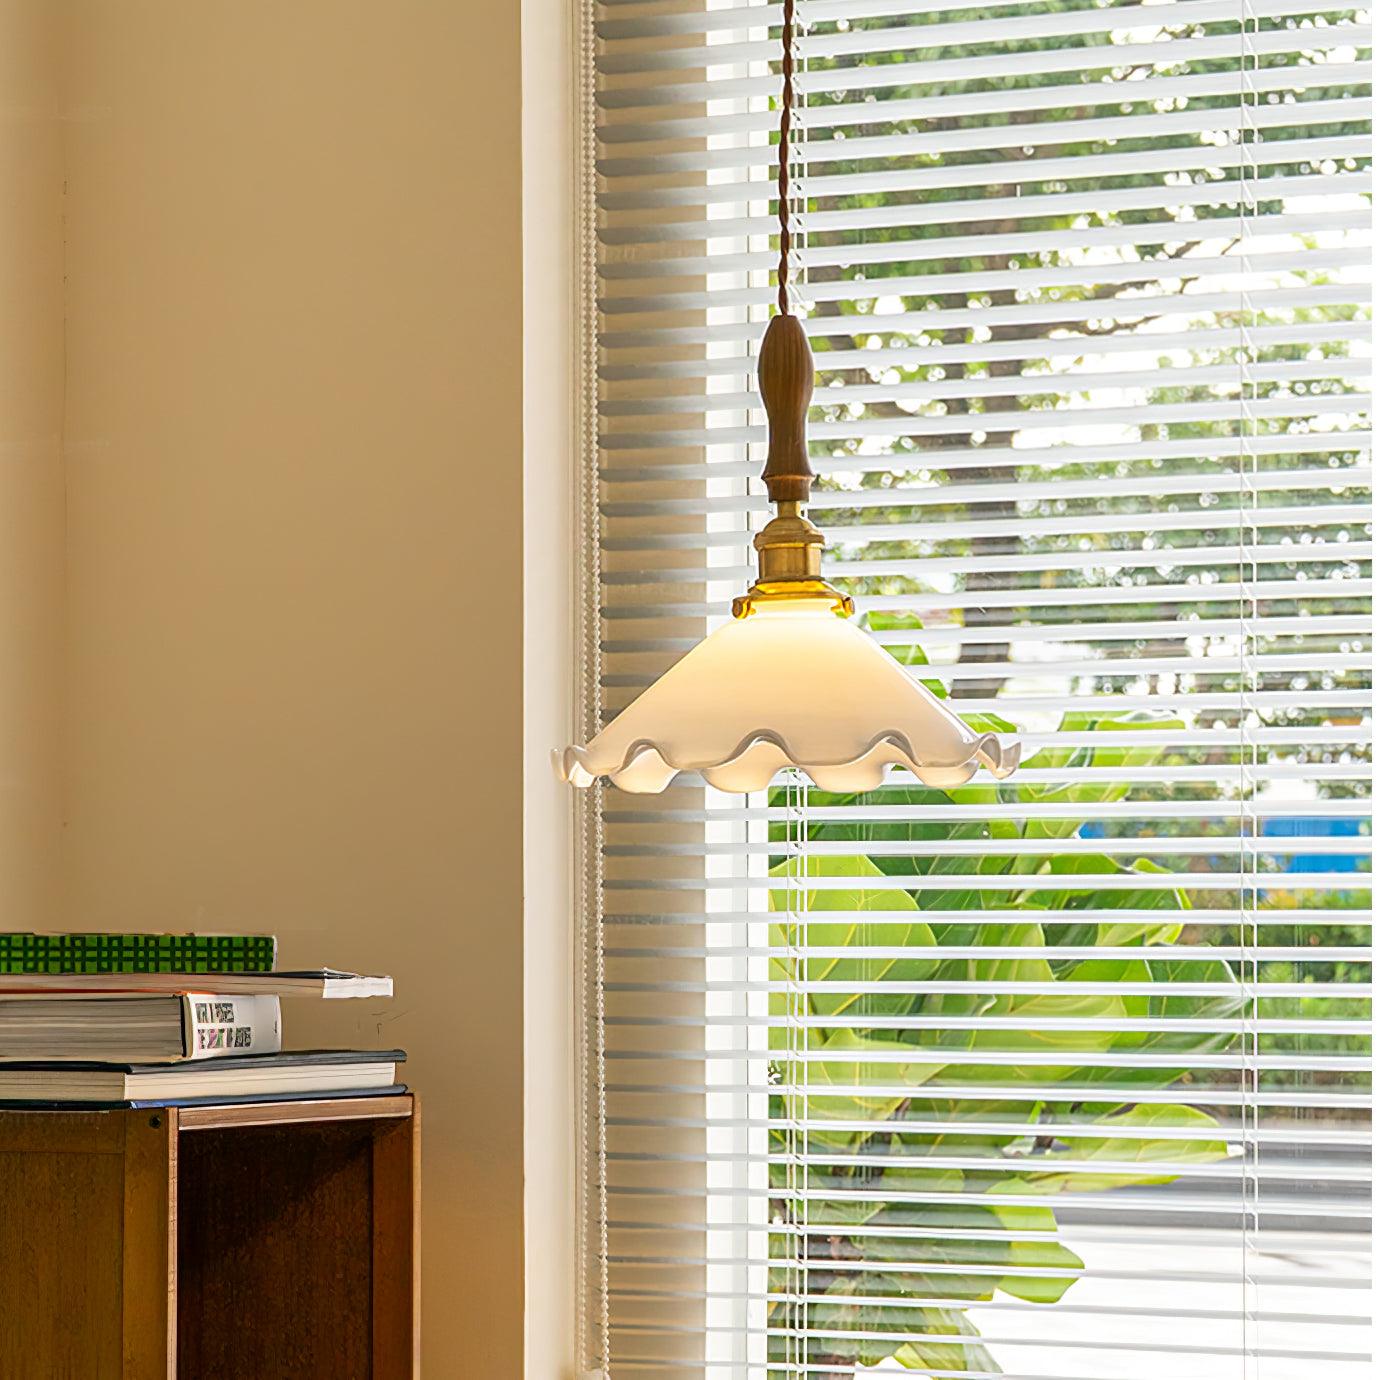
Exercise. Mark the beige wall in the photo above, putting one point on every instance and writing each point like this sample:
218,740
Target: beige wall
293,578
31,383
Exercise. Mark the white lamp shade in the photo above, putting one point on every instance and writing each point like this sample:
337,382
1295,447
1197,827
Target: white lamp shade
793,685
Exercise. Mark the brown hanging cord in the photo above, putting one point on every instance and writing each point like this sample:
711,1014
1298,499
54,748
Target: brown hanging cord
783,156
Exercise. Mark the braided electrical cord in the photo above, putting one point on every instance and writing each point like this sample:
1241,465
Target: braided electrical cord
783,157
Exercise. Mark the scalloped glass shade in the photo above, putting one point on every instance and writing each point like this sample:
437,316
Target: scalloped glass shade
793,685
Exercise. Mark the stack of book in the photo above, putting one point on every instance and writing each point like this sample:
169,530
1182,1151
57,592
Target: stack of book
156,1019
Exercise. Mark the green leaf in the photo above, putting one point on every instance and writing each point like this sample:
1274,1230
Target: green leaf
988,723
965,1352
855,1070
1040,1252
834,1322
790,960
1077,1170
1118,933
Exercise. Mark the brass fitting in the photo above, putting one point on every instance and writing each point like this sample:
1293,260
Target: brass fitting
789,549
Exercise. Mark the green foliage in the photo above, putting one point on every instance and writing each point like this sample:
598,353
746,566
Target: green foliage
930,1215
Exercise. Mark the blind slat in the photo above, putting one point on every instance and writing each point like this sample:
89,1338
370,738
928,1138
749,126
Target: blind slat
836,117
869,39
1073,59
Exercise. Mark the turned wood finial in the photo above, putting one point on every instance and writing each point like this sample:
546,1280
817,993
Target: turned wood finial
786,379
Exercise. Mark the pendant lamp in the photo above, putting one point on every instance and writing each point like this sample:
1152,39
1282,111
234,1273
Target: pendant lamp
790,681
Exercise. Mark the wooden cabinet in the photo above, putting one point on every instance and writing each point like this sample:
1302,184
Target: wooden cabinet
273,1239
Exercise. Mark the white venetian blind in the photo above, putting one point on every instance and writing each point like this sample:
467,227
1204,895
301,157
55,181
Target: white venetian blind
1065,1078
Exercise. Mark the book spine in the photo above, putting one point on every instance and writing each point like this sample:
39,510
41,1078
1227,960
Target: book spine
137,953
217,1025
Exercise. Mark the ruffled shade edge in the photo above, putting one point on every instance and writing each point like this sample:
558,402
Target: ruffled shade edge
645,770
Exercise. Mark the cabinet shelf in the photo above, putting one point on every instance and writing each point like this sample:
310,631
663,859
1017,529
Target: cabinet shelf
256,1239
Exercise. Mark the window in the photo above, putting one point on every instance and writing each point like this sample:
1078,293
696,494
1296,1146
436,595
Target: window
1066,1076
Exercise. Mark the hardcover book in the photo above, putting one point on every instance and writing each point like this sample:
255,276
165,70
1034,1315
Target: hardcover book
307,982
137,1026
298,1073
24,952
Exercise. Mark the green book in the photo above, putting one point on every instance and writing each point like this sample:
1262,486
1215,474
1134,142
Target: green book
137,953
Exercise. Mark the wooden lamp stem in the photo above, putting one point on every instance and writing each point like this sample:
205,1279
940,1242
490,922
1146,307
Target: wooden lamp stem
786,379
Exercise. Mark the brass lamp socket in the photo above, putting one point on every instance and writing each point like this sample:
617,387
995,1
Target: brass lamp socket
789,549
